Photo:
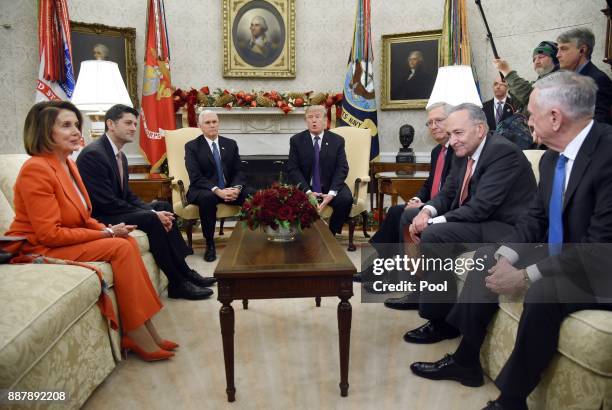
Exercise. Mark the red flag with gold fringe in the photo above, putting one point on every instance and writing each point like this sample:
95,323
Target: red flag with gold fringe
157,107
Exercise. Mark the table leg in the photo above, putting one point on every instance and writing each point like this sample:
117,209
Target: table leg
245,304
318,301
226,317
344,332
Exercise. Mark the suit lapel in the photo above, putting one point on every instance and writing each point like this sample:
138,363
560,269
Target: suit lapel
581,163
67,185
324,151
208,151
110,154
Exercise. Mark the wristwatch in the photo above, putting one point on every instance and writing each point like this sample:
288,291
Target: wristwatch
430,221
526,277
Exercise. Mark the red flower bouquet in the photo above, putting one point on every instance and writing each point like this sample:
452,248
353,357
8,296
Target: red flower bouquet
279,207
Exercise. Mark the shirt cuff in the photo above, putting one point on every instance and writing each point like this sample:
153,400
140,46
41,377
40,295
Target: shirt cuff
214,188
507,253
431,210
332,193
533,272
438,219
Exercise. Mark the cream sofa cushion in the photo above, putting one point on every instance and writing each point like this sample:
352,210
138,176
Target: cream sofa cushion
37,309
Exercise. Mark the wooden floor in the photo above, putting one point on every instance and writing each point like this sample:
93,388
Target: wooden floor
283,367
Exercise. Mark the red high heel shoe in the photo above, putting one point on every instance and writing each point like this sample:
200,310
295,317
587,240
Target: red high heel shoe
167,345
128,344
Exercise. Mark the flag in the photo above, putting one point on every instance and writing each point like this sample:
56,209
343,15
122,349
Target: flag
55,74
157,107
359,102
456,48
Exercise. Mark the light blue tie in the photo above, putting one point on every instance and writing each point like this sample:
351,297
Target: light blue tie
217,157
555,208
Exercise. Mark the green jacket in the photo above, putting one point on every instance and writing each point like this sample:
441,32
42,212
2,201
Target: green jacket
520,90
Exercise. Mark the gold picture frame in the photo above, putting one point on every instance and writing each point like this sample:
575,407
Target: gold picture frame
118,44
259,38
403,88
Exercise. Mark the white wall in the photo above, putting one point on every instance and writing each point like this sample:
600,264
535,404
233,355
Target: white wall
324,34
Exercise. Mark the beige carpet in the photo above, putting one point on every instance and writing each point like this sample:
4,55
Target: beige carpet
286,357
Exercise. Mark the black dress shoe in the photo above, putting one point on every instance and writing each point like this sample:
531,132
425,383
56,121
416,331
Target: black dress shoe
210,255
431,333
447,369
408,302
493,405
195,278
187,290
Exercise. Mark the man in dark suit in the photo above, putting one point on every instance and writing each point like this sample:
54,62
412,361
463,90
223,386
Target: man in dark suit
500,106
104,170
317,165
389,231
571,207
575,50
215,176
483,195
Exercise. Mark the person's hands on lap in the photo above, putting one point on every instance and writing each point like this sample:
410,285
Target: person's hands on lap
505,278
326,200
414,203
121,230
166,218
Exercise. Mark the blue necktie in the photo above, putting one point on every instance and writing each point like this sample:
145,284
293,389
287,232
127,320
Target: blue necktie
316,170
555,209
217,157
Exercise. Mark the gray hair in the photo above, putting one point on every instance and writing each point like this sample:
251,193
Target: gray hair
476,114
445,107
315,108
203,113
574,93
580,37
261,21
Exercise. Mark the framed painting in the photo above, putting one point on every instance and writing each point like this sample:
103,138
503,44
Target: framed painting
99,42
410,66
259,38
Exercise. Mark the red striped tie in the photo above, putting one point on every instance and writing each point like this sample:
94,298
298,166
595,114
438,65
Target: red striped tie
437,181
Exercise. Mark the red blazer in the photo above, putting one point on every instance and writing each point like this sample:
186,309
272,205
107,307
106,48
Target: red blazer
48,210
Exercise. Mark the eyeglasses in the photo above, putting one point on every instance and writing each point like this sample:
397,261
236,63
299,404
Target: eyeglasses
434,122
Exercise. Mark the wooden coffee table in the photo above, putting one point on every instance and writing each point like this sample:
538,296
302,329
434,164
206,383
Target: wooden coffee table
313,266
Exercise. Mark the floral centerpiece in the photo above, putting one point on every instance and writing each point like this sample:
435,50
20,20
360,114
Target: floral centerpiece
282,210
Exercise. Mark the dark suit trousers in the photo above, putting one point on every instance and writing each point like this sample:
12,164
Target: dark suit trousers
538,331
168,248
342,203
207,201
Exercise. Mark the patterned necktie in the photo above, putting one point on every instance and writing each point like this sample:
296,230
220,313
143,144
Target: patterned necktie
120,166
555,208
316,169
499,112
466,181
437,180
217,157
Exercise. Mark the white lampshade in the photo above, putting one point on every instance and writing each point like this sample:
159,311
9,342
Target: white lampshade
455,85
99,87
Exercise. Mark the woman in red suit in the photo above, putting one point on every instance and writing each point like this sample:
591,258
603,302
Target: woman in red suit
53,213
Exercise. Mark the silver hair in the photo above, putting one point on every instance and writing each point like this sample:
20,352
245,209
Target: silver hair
315,108
417,54
476,114
445,107
581,36
261,21
573,93
203,113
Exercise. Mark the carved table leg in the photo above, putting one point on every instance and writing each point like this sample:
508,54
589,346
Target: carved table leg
344,333
226,316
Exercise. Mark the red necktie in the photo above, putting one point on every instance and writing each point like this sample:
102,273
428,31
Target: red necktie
466,181
437,180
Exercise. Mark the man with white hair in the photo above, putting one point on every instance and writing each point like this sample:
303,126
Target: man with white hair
215,176
572,206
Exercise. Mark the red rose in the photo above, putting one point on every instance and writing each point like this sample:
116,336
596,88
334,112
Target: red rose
205,90
285,213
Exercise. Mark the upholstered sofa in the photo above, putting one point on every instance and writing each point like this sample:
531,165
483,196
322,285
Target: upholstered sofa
580,375
52,335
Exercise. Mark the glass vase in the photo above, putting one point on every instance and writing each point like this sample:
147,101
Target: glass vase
281,234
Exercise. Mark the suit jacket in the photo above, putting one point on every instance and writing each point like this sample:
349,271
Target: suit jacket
501,184
332,161
202,169
424,193
418,87
586,207
48,210
98,167
603,102
489,109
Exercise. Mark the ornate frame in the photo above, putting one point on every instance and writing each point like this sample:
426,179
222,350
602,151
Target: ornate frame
404,44
281,59
85,35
